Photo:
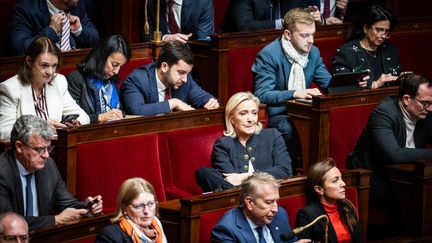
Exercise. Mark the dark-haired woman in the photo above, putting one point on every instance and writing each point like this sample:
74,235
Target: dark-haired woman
94,85
369,49
326,195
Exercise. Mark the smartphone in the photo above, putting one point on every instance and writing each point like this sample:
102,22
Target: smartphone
69,118
90,203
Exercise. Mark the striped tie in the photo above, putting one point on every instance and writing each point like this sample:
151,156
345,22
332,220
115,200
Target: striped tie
65,43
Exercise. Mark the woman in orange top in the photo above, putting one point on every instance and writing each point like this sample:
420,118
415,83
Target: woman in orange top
135,220
325,192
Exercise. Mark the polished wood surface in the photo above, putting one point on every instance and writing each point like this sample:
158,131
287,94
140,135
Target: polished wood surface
87,227
312,120
181,217
413,185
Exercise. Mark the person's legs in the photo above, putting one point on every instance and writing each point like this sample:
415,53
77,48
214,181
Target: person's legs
291,138
210,179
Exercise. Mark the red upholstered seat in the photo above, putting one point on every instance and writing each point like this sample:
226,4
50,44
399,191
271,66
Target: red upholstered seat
66,70
327,47
131,65
207,222
102,166
182,152
346,126
220,8
414,51
292,205
240,62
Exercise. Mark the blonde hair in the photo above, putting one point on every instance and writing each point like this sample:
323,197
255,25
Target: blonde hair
250,186
297,15
129,190
230,108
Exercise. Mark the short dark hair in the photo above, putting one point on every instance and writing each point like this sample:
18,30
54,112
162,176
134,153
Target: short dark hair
94,64
39,46
409,84
375,13
174,51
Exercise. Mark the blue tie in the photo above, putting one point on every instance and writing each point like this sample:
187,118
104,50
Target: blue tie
29,195
260,235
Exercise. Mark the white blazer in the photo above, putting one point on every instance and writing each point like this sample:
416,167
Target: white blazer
17,100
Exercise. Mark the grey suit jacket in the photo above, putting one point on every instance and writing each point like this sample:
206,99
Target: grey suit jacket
51,191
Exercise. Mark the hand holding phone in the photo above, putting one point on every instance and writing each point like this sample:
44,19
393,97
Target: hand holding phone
69,118
90,204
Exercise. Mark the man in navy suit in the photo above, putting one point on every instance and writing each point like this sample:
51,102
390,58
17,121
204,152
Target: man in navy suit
30,183
195,19
258,219
165,85
31,19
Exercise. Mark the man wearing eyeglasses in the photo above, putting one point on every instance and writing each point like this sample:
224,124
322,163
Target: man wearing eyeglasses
398,131
30,183
13,228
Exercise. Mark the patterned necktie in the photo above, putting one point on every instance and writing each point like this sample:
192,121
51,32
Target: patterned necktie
29,195
167,94
260,235
326,8
172,23
65,42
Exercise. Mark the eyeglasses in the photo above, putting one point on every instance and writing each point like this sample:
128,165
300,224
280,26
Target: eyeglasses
14,238
140,206
425,103
381,32
40,150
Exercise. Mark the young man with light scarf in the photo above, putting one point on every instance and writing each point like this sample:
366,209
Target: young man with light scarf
285,69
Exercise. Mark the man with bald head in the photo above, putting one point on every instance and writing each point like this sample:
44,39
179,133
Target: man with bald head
13,228
64,22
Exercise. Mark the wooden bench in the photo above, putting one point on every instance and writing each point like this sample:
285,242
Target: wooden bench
191,219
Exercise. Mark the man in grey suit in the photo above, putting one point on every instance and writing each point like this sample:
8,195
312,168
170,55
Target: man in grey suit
30,183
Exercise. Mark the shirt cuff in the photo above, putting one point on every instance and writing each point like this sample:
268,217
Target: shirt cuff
78,31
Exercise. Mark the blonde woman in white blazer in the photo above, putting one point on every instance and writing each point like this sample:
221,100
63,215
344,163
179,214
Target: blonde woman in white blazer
38,90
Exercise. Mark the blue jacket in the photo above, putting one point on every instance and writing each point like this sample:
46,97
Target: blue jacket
233,227
30,19
197,17
139,93
271,72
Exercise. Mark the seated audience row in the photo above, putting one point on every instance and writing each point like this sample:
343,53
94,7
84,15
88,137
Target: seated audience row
160,87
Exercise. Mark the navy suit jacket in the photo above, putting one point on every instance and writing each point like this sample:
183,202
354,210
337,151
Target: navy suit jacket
30,19
197,17
51,191
139,93
234,227
266,150
247,15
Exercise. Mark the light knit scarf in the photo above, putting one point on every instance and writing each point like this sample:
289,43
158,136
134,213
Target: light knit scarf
298,61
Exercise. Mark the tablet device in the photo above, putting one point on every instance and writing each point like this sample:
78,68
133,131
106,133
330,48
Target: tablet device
343,82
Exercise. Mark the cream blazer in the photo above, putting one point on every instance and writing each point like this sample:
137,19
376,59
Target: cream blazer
17,100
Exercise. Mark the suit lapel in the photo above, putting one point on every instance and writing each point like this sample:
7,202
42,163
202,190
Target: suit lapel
331,232
26,104
153,94
16,182
55,110
186,12
243,226
41,189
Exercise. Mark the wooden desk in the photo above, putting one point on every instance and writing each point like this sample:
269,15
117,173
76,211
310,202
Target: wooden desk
312,120
87,227
181,217
413,184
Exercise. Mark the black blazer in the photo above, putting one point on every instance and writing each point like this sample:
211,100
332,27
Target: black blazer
52,192
78,89
113,233
316,232
247,15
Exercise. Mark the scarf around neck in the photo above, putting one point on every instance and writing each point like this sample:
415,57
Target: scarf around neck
138,236
296,80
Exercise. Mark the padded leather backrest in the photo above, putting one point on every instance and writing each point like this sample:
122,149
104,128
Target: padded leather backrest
346,126
327,47
102,166
130,66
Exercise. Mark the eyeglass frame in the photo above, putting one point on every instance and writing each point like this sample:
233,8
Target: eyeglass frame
424,103
381,32
40,150
140,206
25,238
